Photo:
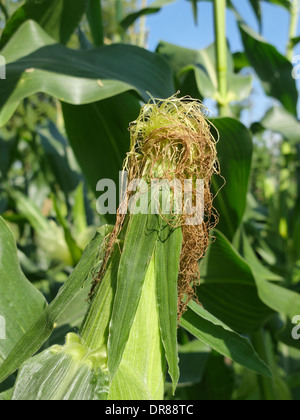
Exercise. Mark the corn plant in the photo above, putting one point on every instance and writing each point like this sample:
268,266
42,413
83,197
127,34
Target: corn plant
190,288
148,271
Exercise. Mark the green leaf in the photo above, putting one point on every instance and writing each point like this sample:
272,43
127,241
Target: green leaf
79,212
4,10
139,245
72,317
295,41
195,10
95,18
296,233
30,210
8,144
219,337
77,76
167,258
228,289
219,380
256,6
192,354
285,335
95,328
49,236
41,330
143,361
203,63
154,7
128,385
20,302
273,69
284,3
279,120
61,373
57,153
240,61
277,297
274,389
59,18
74,249
99,143
69,380
235,156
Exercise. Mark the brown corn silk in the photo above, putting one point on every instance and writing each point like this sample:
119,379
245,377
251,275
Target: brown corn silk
171,139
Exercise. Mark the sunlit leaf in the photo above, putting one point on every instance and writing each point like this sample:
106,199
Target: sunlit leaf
218,336
77,76
57,17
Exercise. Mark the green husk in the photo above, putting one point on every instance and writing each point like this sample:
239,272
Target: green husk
170,139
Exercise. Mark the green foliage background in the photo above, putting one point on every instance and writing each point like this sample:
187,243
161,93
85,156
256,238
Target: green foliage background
77,74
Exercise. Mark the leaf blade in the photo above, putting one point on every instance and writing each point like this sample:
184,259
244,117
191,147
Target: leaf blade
43,66
218,336
20,302
32,341
140,241
167,257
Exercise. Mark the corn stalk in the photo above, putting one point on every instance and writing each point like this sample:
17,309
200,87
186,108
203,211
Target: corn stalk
221,51
294,18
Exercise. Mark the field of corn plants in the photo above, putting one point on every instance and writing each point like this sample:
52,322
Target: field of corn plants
185,284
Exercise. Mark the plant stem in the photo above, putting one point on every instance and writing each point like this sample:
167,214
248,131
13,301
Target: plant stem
119,16
221,53
94,15
265,384
4,10
142,31
119,10
294,17
298,171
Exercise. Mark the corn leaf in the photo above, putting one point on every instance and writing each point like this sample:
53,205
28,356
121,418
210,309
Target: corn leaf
95,328
192,354
221,338
167,257
141,374
139,245
44,66
228,288
203,63
235,156
57,17
69,380
101,157
277,297
273,69
277,119
58,157
94,15
20,302
154,7
41,330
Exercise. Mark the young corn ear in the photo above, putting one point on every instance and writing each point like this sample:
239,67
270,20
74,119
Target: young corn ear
170,140
148,273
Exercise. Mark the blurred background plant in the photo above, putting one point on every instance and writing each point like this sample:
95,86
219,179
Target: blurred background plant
65,110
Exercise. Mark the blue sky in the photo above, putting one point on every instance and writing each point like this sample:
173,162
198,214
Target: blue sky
175,24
